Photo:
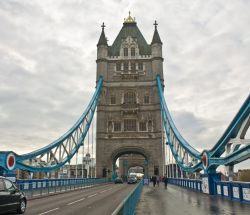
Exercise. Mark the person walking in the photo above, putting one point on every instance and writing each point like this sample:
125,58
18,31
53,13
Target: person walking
154,180
166,181
157,180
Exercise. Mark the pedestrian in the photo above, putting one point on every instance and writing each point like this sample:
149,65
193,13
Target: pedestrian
166,181
154,180
157,180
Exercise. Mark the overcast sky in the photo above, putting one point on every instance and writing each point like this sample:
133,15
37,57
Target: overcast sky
48,69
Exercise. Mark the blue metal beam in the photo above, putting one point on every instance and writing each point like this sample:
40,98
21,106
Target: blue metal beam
74,135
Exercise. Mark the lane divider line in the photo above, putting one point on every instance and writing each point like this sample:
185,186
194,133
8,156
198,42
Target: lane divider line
48,211
92,195
71,203
105,190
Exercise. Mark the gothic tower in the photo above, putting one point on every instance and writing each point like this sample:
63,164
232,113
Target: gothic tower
128,113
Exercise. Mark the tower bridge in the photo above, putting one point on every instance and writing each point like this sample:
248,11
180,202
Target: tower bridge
134,123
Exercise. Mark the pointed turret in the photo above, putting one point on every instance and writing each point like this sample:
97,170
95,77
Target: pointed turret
156,37
102,54
102,39
156,50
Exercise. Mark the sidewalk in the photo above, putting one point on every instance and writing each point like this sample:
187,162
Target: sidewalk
180,201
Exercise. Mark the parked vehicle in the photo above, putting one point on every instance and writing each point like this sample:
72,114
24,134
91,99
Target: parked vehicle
132,180
11,198
118,180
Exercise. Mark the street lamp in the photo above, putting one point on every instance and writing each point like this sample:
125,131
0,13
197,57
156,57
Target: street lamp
88,163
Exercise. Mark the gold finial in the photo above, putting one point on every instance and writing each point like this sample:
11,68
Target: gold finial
130,19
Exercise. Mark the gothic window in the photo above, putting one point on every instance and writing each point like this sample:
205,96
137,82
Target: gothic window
142,126
109,126
132,66
130,125
130,98
125,51
150,126
146,99
133,51
112,99
125,66
117,126
140,66
118,66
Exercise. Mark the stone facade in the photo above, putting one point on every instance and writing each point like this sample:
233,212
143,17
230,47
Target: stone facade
128,113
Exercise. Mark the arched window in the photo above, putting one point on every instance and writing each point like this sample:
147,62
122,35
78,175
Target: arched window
130,98
132,51
125,51
150,126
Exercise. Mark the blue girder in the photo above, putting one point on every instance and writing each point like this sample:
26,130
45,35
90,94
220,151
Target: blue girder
232,130
214,155
61,150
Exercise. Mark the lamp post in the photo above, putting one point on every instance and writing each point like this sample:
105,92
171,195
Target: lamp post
87,163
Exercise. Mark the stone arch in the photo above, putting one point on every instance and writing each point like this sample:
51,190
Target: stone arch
132,150
126,150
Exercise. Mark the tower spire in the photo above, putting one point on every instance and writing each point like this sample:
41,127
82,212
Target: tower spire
102,39
156,37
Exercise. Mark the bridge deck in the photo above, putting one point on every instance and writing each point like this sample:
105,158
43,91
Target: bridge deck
180,201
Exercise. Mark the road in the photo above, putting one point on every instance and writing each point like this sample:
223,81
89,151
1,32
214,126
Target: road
180,201
101,199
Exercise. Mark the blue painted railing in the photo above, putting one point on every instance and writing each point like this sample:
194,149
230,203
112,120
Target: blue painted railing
233,190
193,184
40,187
128,205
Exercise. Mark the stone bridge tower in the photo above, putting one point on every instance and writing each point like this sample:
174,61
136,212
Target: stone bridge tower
128,113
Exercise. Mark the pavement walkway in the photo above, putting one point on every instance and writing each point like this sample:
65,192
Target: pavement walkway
180,201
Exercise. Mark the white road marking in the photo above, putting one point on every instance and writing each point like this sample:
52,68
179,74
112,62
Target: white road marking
49,211
105,190
92,195
71,203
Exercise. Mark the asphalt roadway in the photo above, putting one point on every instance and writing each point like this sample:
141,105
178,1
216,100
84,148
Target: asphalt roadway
180,201
98,200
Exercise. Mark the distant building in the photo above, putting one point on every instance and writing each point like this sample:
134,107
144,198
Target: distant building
244,175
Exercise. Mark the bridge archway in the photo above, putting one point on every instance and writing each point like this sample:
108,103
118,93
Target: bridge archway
130,157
